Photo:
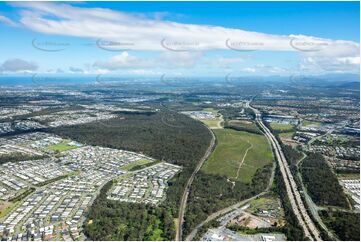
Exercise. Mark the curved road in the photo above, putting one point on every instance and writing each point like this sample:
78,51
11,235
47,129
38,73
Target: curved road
309,228
184,199
232,207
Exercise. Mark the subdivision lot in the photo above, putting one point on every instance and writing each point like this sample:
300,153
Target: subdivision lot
230,155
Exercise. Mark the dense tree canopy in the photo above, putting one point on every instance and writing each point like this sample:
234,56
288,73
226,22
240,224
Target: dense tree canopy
321,183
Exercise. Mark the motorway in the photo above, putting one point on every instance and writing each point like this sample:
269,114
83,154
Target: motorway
184,199
309,228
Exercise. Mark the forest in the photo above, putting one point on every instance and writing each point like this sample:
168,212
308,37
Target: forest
164,135
112,220
346,225
172,137
321,183
18,157
210,193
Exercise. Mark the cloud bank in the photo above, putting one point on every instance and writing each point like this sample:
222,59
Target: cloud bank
18,65
118,30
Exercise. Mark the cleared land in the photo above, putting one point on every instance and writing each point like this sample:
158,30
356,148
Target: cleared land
212,123
6,207
281,127
231,150
307,122
132,165
287,135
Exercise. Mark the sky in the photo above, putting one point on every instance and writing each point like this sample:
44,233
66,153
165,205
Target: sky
179,38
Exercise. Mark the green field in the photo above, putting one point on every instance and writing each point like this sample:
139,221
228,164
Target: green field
243,123
6,208
230,150
132,165
307,122
281,127
211,123
287,135
63,146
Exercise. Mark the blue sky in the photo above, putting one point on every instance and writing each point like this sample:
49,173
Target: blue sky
180,38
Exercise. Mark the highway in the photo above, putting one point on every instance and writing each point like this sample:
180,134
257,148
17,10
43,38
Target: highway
309,228
184,199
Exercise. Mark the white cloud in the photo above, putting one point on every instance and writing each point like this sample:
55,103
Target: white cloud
265,69
167,59
146,33
75,70
7,21
124,61
18,65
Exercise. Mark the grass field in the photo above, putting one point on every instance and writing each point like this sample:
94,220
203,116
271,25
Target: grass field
134,164
243,123
63,146
6,207
211,123
349,176
230,151
307,122
286,135
281,127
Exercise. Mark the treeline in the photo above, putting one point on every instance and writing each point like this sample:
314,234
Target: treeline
292,156
210,193
321,183
246,230
112,220
18,157
139,167
249,128
346,225
23,195
230,113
